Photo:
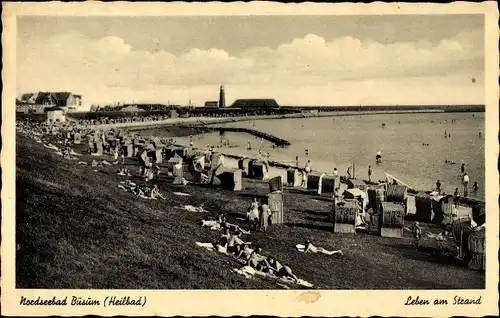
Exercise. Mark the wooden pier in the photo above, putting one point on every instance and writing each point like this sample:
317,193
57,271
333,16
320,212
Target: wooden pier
277,141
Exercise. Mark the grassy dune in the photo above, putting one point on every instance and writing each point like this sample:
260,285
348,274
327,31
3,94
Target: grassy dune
76,229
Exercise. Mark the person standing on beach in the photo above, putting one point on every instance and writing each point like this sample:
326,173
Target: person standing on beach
307,168
465,182
264,217
438,187
349,172
305,173
462,168
336,181
475,187
297,161
370,173
456,197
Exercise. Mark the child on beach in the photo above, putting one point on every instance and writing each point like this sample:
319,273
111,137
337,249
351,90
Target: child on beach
370,173
475,187
438,187
264,214
253,212
456,196
156,172
416,232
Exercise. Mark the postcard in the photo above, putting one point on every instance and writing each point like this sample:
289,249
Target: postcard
256,158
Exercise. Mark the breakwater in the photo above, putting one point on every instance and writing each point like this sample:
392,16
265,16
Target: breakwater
277,141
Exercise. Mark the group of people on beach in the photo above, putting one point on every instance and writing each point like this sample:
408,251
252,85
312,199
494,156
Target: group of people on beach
245,253
259,216
465,185
232,244
121,120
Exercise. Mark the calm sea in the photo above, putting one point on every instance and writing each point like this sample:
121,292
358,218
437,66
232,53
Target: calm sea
338,141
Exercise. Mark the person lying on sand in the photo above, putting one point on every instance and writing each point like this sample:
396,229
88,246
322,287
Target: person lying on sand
310,248
156,171
244,253
234,243
123,172
155,193
281,271
137,190
233,227
274,266
257,260
208,221
286,272
221,218
223,239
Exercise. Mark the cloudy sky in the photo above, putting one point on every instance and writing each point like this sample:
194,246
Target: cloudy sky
298,60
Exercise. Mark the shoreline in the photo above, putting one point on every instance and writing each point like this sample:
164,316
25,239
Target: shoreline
201,121
464,201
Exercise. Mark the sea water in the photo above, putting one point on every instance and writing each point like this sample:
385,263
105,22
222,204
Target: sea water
338,142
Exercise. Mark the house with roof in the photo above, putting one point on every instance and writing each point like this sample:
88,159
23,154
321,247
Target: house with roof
46,99
255,103
38,102
212,104
29,98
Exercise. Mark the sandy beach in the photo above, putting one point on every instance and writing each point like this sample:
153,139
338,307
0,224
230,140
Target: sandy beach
103,237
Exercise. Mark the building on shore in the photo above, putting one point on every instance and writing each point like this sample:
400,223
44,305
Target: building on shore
56,115
39,102
211,104
255,103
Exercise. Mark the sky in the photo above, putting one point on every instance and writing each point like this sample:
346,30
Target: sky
297,60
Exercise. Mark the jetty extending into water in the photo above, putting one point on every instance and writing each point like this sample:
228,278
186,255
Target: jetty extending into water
276,140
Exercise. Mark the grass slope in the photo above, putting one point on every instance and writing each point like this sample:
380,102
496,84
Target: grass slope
76,229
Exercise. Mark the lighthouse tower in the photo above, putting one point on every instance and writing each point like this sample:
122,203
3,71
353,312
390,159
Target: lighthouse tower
222,97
